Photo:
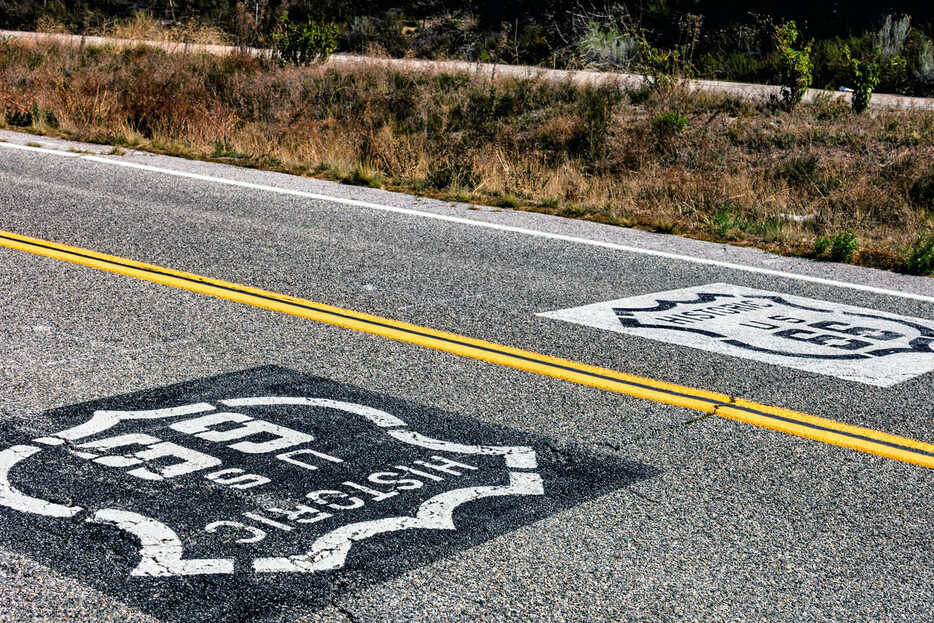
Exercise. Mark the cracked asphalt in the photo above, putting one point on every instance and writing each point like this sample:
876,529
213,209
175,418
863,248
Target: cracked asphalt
715,521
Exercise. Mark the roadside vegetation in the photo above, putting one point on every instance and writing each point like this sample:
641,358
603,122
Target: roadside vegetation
812,179
889,47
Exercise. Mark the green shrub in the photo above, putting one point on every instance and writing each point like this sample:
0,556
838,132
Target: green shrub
795,66
919,256
837,248
843,246
303,44
669,123
663,66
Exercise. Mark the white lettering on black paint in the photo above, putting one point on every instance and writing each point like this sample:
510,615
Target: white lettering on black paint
150,457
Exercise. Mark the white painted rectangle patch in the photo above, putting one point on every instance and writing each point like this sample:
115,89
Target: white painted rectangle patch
851,343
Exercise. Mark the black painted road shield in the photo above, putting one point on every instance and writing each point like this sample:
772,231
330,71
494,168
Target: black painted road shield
249,495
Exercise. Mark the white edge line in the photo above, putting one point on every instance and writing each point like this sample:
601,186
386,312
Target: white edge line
465,221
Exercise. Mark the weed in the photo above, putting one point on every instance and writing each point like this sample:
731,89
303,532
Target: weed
837,248
665,226
828,107
449,174
918,257
223,150
921,192
362,175
33,144
799,169
117,151
669,123
596,110
724,222
507,201
551,203
771,229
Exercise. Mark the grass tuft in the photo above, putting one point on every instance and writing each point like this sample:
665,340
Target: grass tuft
837,248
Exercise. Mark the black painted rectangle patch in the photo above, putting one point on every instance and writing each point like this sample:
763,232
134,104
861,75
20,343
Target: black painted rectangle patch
250,495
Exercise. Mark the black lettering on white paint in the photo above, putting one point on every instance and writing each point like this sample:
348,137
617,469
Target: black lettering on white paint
849,342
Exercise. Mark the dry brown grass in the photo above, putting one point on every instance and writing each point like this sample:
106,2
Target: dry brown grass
698,164
143,27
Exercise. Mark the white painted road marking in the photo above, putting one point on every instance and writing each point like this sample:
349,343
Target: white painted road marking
330,550
11,497
486,225
161,550
851,343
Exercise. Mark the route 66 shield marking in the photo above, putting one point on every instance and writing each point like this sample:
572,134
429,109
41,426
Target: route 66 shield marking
851,343
268,486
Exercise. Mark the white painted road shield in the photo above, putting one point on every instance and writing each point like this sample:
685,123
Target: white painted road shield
851,343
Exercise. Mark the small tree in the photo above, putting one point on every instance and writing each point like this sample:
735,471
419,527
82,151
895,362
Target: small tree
865,78
303,44
795,66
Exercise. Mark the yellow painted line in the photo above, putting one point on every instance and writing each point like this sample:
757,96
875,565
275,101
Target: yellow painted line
775,418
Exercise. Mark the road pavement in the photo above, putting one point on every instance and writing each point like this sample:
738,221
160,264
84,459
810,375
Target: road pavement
323,402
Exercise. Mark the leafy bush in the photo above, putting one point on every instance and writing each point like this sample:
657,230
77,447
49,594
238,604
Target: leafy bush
865,79
837,248
795,66
663,66
919,256
303,44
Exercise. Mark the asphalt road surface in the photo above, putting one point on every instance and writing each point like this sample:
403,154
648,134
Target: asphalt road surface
235,395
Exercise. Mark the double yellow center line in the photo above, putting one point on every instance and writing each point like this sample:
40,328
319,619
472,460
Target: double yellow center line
775,418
